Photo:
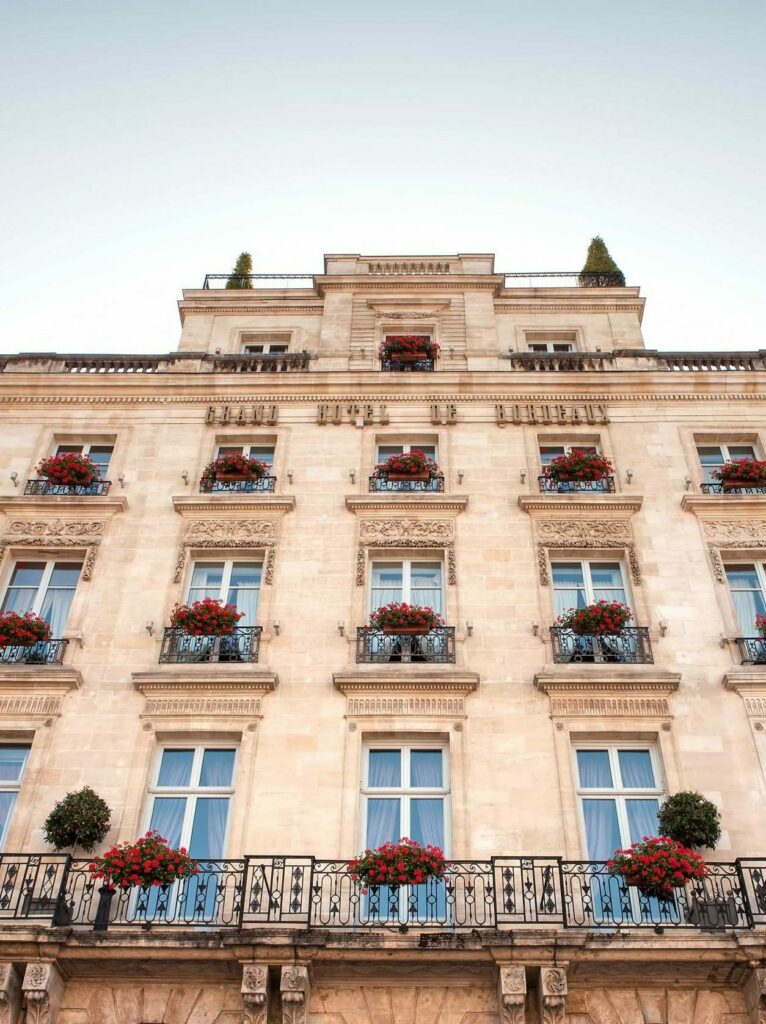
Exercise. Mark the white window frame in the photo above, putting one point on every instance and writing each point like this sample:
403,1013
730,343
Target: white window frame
619,794
85,448
267,347
585,564
406,564
42,588
246,448
8,786
760,572
553,347
725,454
228,565
568,447
406,447
405,792
192,792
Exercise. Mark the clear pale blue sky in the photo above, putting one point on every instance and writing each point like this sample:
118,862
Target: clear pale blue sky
145,143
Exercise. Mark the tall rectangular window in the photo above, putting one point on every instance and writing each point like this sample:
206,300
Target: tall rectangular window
747,584
13,762
577,584
712,456
408,582
405,792
46,588
232,581
386,450
262,452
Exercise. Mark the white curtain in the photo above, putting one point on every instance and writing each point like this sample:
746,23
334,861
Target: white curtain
55,609
209,828
217,767
176,768
602,830
427,822
385,768
7,800
244,590
168,817
427,586
594,769
607,582
386,585
206,581
383,821
568,587
426,769
642,818
636,769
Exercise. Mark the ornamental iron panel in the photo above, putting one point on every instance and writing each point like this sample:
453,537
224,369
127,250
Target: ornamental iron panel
262,485
631,646
179,648
45,652
373,646
550,486
731,489
43,487
382,482
408,366
752,649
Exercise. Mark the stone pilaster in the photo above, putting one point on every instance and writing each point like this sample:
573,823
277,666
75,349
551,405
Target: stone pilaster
755,995
43,988
552,995
295,988
10,994
255,993
512,994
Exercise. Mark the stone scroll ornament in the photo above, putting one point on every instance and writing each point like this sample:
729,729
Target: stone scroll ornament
407,533
229,533
512,994
295,989
599,534
255,993
43,989
552,995
59,534
731,534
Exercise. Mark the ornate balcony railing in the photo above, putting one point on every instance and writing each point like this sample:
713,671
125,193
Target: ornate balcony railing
403,366
383,482
631,646
46,652
752,650
178,648
499,893
550,486
262,362
373,646
97,488
720,489
264,485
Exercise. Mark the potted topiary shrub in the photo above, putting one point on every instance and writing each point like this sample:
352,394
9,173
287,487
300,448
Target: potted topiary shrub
68,470
408,348
741,473
403,863
412,465
405,619
23,630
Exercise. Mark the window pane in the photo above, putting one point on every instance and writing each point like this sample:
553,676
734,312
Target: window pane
636,769
386,584
746,594
742,577
27,574
22,590
426,587
602,830
426,768
175,768
12,761
7,800
59,595
229,449
244,590
168,818
426,449
568,586
264,453
209,827
217,768
594,769
65,574
427,822
101,454
383,821
206,580
606,578
642,818
710,455
741,451
385,451
69,449
385,768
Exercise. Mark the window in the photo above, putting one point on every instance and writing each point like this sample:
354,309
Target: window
100,454
619,794
190,796
549,452
551,341
262,452
233,582
747,584
550,346
13,762
386,450
577,584
712,456
265,344
407,581
45,588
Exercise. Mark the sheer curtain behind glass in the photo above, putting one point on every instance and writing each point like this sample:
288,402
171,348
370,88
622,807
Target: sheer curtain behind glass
244,589
59,595
387,584
747,596
427,586
568,586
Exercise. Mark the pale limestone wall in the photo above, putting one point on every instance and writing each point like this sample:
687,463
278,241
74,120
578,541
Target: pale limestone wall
185,1002
596,1005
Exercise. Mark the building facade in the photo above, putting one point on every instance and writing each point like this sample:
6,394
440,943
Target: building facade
528,754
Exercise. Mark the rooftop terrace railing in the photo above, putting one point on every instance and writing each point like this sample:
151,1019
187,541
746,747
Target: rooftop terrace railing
304,892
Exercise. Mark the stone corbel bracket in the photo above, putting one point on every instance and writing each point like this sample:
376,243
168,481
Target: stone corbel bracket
255,993
10,994
552,995
406,532
43,990
755,995
295,987
512,994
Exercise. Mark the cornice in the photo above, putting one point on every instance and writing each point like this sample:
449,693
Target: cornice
406,284
201,680
382,305
748,679
546,503
39,680
216,310
736,505
60,504
383,502
628,307
621,679
214,504
377,679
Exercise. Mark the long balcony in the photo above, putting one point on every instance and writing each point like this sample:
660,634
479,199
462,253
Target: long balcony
375,647
631,646
731,489
752,650
262,362
251,485
179,648
47,487
45,652
304,892
550,486
396,482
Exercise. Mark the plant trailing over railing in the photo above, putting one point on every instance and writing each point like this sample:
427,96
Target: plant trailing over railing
579,465
208,617
81,819
414,464
760,625
234,466
404,347
69,470
657,866
406,618
742,473
402,863
23,630
149,861
690,819
604,618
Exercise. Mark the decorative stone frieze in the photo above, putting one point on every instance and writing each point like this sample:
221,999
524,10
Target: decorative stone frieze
57,535
212,534
606,534
552,995
407,532
10,994
295,988
418,693
512,994
255,993
43,990
213,691
413,502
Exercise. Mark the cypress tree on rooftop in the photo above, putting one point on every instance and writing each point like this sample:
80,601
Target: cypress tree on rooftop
600,270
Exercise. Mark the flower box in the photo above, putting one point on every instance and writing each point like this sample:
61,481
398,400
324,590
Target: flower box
406,630
408,357
579,466
407,348
741,473
736,485
23,630
234,467
150,861
657,866
411,465
425,475
238,476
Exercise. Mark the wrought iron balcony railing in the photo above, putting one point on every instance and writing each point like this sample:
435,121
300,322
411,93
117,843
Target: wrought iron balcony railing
720,489
97,488
631,646
550,486
404,366
179,648
499,893
373,646
383,482
46,652
264,485
752,650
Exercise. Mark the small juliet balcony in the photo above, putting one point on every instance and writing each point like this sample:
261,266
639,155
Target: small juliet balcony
238,485
752,650
631,646
549,485
732,488
45,652
180,648
399,482
48,487
380,647
401,362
